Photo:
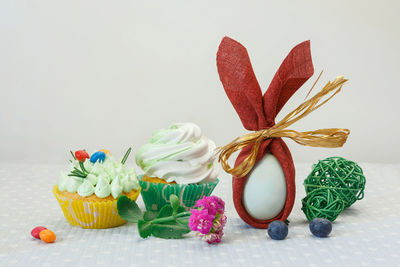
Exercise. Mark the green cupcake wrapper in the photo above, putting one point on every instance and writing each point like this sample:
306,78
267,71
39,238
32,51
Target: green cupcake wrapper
155,196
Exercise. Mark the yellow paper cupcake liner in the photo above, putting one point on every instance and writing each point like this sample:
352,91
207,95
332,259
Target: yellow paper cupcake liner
91,214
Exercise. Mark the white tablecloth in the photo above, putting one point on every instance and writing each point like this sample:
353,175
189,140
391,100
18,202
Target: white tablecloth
367,234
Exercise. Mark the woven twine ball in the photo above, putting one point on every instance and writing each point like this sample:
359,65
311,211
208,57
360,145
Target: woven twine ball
333,185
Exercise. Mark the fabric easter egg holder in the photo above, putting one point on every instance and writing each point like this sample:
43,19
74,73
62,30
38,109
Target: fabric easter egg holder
258,112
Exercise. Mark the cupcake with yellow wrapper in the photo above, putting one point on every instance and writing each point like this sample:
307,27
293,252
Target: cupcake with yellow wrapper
179,160
88,193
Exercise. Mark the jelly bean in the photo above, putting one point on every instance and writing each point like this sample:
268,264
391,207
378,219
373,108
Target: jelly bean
106,151
81,155
98,156
47,236
35,232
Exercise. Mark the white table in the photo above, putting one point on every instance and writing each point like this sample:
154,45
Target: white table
367,234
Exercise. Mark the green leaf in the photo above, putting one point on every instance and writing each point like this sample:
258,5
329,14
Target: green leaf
83,167
180,209
150,215
183,220
165,211
174,202
126,155
76,175
144,228
169,231
72,154
76,171
128,209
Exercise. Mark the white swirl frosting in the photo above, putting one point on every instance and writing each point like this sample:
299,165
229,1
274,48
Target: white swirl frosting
181,154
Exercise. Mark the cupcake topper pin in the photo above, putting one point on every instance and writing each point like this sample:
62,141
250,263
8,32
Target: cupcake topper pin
257,113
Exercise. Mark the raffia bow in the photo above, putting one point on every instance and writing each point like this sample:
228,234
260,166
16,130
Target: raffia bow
331,137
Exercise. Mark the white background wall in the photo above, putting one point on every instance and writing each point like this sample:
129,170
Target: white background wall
105,74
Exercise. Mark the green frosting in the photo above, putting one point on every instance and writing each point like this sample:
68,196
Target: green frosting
86,189
103,188
110,177
128,183
92,178
88,165
116,188
62,181
73,184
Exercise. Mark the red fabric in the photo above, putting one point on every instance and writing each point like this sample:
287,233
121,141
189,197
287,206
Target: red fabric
258,112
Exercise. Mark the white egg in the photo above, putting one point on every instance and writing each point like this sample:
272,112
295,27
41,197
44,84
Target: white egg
264,193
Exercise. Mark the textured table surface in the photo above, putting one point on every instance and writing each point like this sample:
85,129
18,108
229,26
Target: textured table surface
367,234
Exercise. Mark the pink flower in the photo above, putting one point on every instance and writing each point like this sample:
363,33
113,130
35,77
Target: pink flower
209,219
213,237
213,204
223,220
200,221
217,225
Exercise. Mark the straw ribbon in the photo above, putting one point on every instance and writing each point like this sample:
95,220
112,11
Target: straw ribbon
332,137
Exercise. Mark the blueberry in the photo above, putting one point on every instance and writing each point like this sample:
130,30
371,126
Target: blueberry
278,230
320,227
98,156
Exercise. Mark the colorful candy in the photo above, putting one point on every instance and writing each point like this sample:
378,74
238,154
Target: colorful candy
35,232
106,151
81,155
47,236
98,156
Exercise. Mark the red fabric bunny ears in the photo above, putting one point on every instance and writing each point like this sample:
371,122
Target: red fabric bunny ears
258,112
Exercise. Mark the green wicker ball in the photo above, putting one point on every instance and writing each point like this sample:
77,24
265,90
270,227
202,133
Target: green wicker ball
322,203
345,178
